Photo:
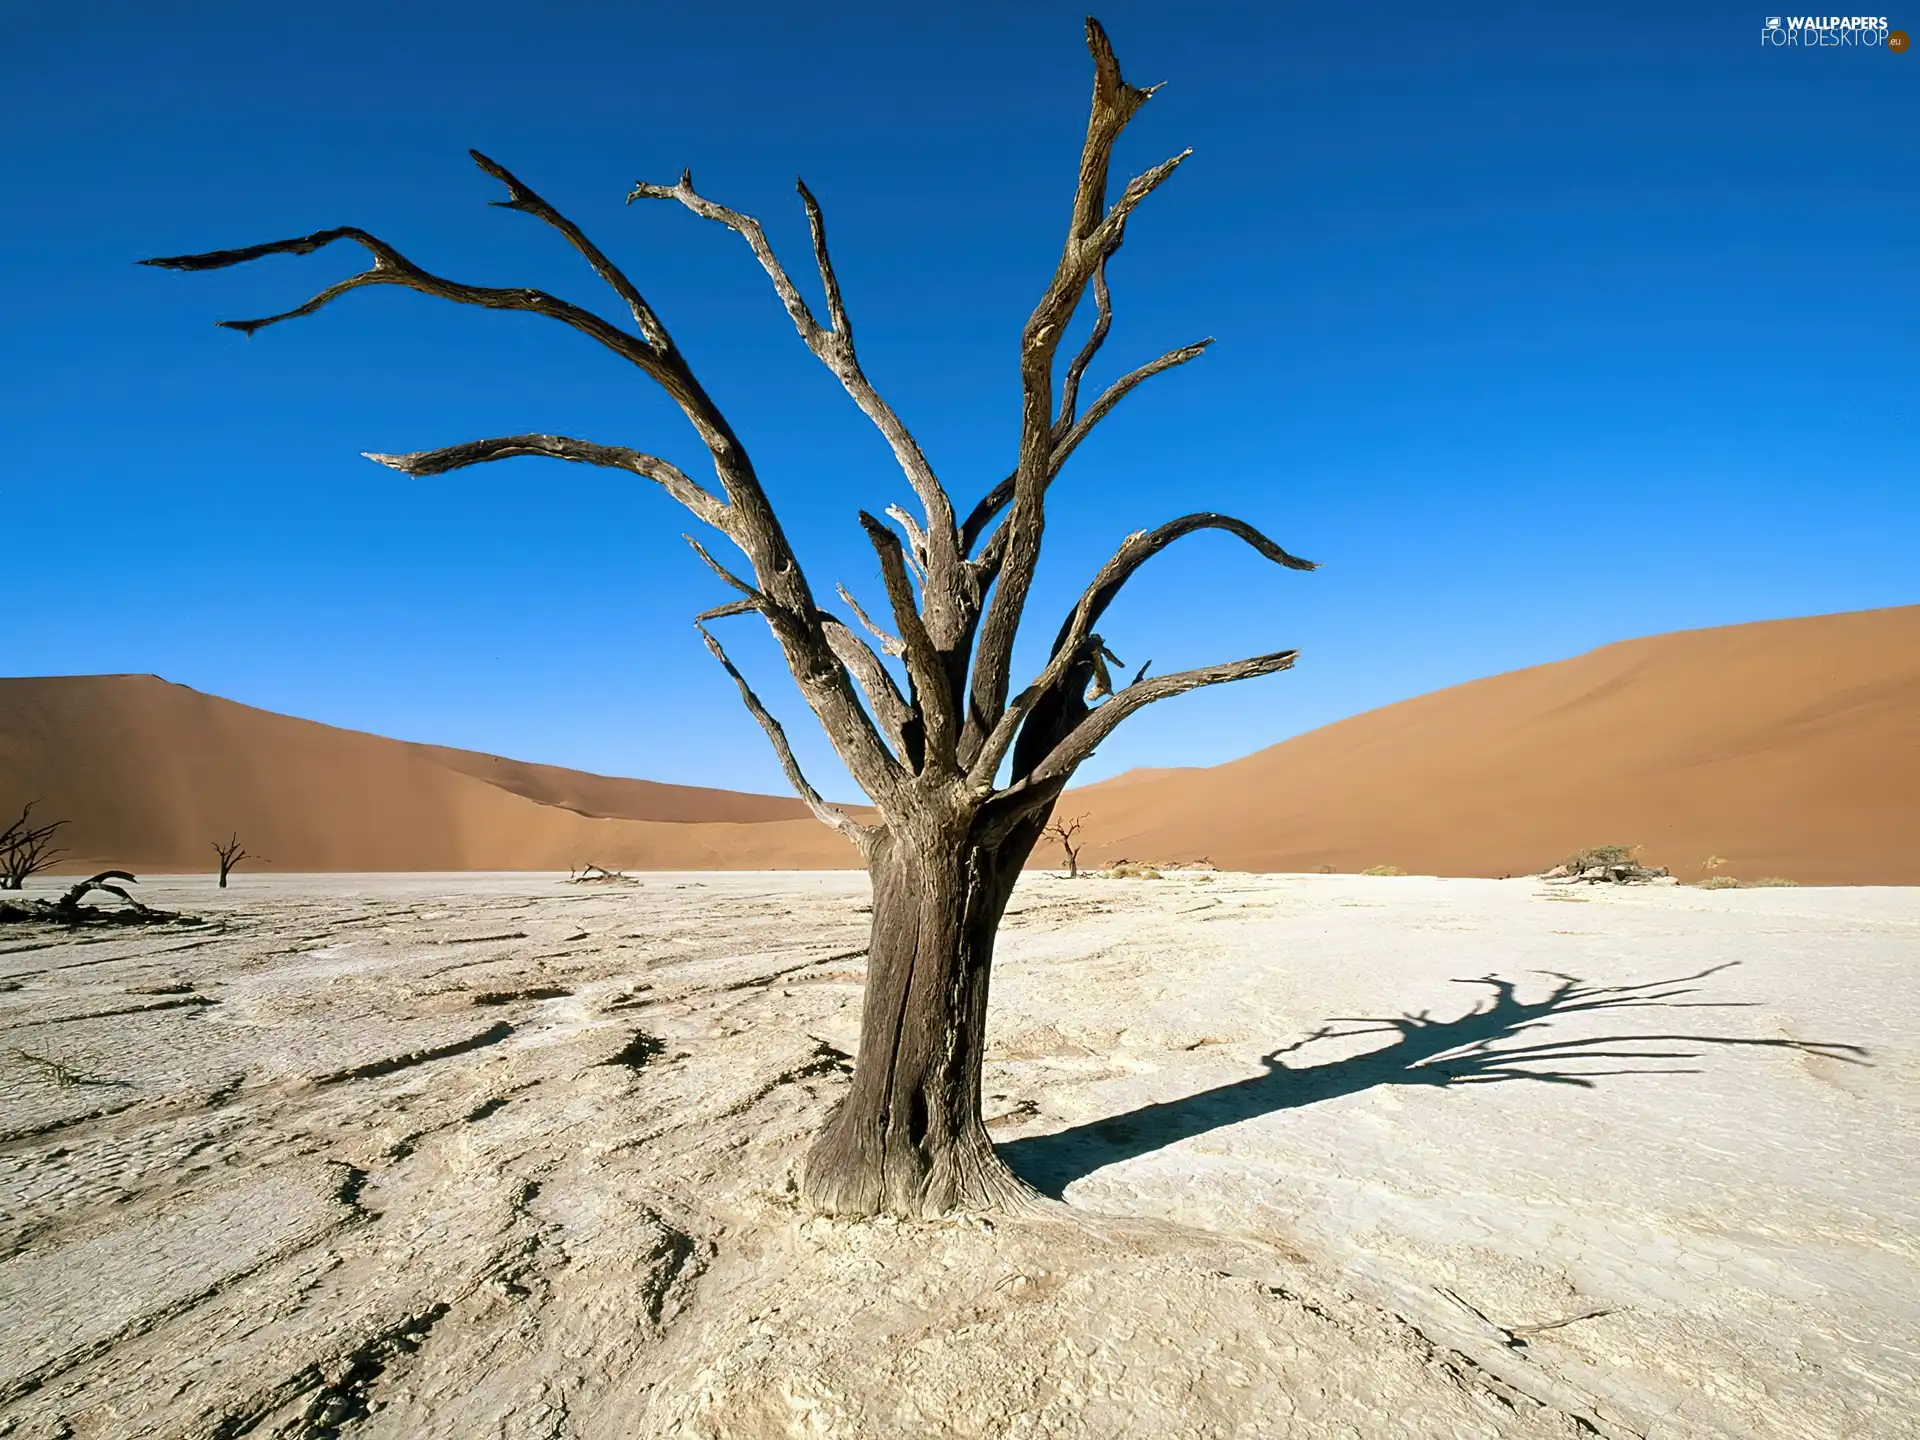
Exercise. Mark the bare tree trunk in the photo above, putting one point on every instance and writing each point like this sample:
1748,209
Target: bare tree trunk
909,1140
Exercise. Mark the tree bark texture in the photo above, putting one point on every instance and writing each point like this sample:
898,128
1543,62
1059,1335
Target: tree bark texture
909,1139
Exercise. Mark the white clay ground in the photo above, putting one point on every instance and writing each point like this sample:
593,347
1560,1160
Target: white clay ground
498,1156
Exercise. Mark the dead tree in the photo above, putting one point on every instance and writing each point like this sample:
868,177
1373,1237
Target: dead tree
962,768
26,849
1067,833
231,854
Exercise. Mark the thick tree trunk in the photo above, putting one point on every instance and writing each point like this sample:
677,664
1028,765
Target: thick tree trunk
908,1140
223,877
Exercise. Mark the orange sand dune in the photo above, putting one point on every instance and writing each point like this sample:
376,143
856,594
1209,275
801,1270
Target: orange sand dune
1789,747
149,773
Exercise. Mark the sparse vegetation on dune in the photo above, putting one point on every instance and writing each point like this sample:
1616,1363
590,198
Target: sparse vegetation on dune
1711,880
1383,870
1597,855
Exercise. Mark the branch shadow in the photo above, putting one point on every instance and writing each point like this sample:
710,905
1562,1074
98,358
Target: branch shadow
1464,1050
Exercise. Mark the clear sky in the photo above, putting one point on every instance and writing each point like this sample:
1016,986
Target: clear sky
1540,327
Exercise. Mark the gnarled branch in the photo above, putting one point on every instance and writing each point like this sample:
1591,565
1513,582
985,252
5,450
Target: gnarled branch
890,644
390,267
889,706
1102,323
1080,741
829,281
1069,434
747,518
1142,546
522,198
832,346
833,815
760,601
1091,236
1076,631
932,687
667,476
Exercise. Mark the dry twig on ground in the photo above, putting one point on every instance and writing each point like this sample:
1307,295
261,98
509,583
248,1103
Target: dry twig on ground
599,875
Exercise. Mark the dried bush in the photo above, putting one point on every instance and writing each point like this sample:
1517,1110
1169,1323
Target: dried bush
1599,855
1606,864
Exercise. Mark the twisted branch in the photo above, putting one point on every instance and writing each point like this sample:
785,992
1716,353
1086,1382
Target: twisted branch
667,476
931,686
889,706
1076,631
832,346
747,517
833,815
1080,741
1069,432
522,198
1091,236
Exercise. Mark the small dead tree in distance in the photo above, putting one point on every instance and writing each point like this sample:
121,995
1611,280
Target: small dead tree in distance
26,849
231,854
1067,833
952,834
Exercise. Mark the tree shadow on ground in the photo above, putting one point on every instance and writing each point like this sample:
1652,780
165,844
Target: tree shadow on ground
1465,1050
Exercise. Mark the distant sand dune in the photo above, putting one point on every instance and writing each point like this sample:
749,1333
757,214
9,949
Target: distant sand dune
149,772
1790,747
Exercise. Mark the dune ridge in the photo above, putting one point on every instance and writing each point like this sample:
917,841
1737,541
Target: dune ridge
1787,747
149,772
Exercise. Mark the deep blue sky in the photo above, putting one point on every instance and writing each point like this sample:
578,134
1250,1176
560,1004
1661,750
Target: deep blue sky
1540,328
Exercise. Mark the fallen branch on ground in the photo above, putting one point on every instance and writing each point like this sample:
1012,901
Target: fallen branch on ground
68,910
599,875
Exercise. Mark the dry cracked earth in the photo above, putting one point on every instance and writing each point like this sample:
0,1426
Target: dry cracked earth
502,1156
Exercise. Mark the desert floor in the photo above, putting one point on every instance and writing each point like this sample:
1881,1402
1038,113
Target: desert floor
500,1156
